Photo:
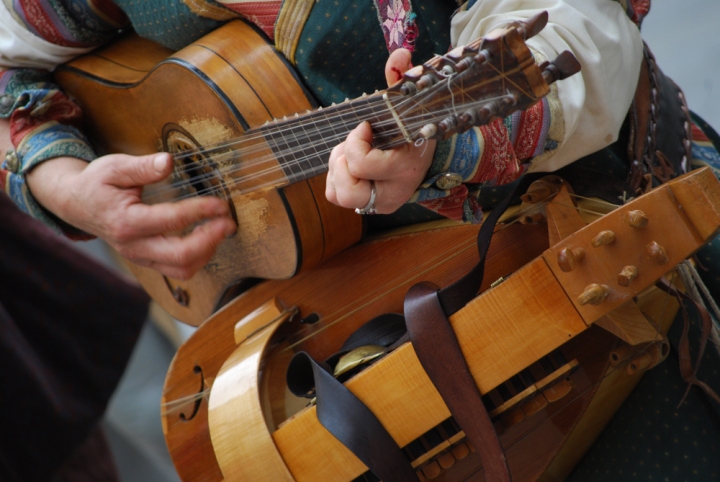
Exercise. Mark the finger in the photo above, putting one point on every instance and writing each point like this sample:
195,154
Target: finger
179,256
330,193
131,171
142,220
399,62
337,152
360,155
350,192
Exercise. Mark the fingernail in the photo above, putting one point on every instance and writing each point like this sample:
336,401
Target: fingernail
160,162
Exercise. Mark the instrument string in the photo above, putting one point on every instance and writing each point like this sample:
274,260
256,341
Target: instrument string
395,283
359,115
364,301
245,147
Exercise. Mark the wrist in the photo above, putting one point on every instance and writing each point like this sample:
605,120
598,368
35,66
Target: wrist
51,183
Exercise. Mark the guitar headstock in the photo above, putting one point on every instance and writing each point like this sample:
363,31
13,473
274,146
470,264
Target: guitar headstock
472,85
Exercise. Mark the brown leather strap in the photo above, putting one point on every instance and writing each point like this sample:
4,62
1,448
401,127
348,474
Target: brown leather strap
349,420
439,353
688,372
659,146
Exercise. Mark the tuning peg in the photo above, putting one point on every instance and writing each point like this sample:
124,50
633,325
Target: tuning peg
489,110
594,294
474,58
459,53
448,124
430,77
562,67
568,259
637,219
447,66
532,26
626,275
468,118
603,238
510,100
408,88
428,131
657,253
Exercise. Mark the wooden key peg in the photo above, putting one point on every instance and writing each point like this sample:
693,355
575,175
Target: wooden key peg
636,219
460,451
657,253
568,258
627,274
432,470
594,294
603,238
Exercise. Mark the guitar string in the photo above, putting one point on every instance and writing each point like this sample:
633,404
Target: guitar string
409,99
314,169
367,110
179,404
258,161
502,74
262,132
426,92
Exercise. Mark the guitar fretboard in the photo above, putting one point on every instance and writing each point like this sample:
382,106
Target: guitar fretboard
302,144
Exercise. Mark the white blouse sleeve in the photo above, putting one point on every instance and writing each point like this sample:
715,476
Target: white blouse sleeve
609,47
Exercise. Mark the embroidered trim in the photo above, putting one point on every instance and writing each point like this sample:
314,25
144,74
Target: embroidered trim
263,13
290,24
203,8
398,23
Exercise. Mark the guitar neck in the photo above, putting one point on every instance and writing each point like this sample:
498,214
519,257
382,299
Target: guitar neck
302,144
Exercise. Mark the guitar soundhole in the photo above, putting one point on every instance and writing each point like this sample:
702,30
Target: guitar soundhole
196,170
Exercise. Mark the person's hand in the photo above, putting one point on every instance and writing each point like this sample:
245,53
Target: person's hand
103,198
397,173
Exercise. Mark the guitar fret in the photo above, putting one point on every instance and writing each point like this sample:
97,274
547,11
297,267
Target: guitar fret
302,145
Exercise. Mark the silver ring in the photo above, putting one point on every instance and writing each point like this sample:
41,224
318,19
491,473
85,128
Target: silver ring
370,206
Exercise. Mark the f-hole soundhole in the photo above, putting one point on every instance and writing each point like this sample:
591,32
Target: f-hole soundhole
198,398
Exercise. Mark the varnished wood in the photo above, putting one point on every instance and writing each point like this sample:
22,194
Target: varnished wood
374,278
628,323
211,88
406,403
236,421
614,388
563,218
669,226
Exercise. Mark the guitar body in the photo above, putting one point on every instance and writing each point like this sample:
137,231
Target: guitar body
139,98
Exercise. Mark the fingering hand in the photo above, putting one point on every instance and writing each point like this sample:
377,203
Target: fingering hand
397,173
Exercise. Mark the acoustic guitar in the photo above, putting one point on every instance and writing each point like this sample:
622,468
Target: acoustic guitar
213,105
554,348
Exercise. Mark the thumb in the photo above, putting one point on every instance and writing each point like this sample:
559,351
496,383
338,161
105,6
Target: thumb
132,171
399,62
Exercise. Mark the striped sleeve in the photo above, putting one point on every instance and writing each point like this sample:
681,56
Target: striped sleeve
44,124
